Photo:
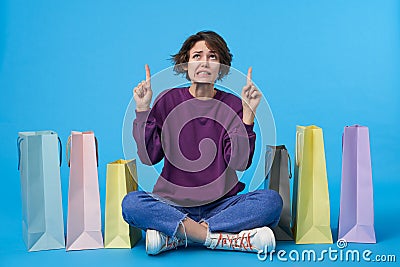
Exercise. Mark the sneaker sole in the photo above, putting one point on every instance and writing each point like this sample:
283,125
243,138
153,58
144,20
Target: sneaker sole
271,241
153,242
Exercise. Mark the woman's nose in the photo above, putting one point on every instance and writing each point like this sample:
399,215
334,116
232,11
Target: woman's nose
204,62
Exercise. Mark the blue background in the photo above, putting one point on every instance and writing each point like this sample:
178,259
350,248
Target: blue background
71,65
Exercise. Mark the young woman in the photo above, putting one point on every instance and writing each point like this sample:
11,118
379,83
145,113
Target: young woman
204,136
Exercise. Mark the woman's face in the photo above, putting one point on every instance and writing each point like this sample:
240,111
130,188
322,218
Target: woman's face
203,65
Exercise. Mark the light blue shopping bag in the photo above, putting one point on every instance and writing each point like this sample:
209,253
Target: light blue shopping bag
39,164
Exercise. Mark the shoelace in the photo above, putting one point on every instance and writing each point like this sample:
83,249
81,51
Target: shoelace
171,243
232,241
175,241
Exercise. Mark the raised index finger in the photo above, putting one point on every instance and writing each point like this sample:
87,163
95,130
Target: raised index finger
249,72
147,73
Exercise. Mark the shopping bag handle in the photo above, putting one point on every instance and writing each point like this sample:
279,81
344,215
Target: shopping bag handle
68,151
342,141
60,144
298,148
267,155
97,150
268,158
19,140
290,166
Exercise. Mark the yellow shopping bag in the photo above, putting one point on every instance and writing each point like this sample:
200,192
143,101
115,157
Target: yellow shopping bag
121,179
311,211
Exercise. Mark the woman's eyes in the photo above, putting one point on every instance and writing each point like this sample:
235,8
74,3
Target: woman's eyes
212,56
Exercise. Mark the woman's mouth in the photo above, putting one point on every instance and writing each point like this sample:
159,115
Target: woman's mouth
203,73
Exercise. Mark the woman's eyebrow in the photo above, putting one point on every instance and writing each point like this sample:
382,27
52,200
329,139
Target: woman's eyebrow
201,51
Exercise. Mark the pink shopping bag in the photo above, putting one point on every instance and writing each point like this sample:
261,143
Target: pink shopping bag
84,215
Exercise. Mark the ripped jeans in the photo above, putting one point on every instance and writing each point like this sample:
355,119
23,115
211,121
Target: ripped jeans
232,214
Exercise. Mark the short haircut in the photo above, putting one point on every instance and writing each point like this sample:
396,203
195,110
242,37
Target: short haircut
214,41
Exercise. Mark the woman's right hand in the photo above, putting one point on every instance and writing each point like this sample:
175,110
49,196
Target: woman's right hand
142,93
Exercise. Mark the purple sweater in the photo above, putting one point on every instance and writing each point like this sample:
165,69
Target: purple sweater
203,143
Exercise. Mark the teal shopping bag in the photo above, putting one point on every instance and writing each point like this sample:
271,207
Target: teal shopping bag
39,164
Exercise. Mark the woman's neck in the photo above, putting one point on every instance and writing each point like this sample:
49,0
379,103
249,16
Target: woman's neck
202,90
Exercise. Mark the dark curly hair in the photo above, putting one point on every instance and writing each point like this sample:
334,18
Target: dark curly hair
214,41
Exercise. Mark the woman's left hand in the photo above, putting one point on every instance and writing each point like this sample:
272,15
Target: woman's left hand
251,98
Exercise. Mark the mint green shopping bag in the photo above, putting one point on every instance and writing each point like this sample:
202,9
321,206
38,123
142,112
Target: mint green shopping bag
39,164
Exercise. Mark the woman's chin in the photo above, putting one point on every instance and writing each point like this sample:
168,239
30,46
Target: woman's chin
203,80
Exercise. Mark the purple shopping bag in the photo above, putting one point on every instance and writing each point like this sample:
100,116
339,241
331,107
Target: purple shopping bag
356,218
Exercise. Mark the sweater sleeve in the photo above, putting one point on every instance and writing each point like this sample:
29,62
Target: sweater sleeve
147,135
239,144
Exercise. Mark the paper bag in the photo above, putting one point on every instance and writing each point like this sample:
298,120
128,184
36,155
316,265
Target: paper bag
311,210
277,179
84,216
39,164
121,179
356,218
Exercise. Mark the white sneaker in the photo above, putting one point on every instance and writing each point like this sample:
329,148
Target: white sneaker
254,240
157,242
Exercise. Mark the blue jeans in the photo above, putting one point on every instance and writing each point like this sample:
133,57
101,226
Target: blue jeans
233,214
